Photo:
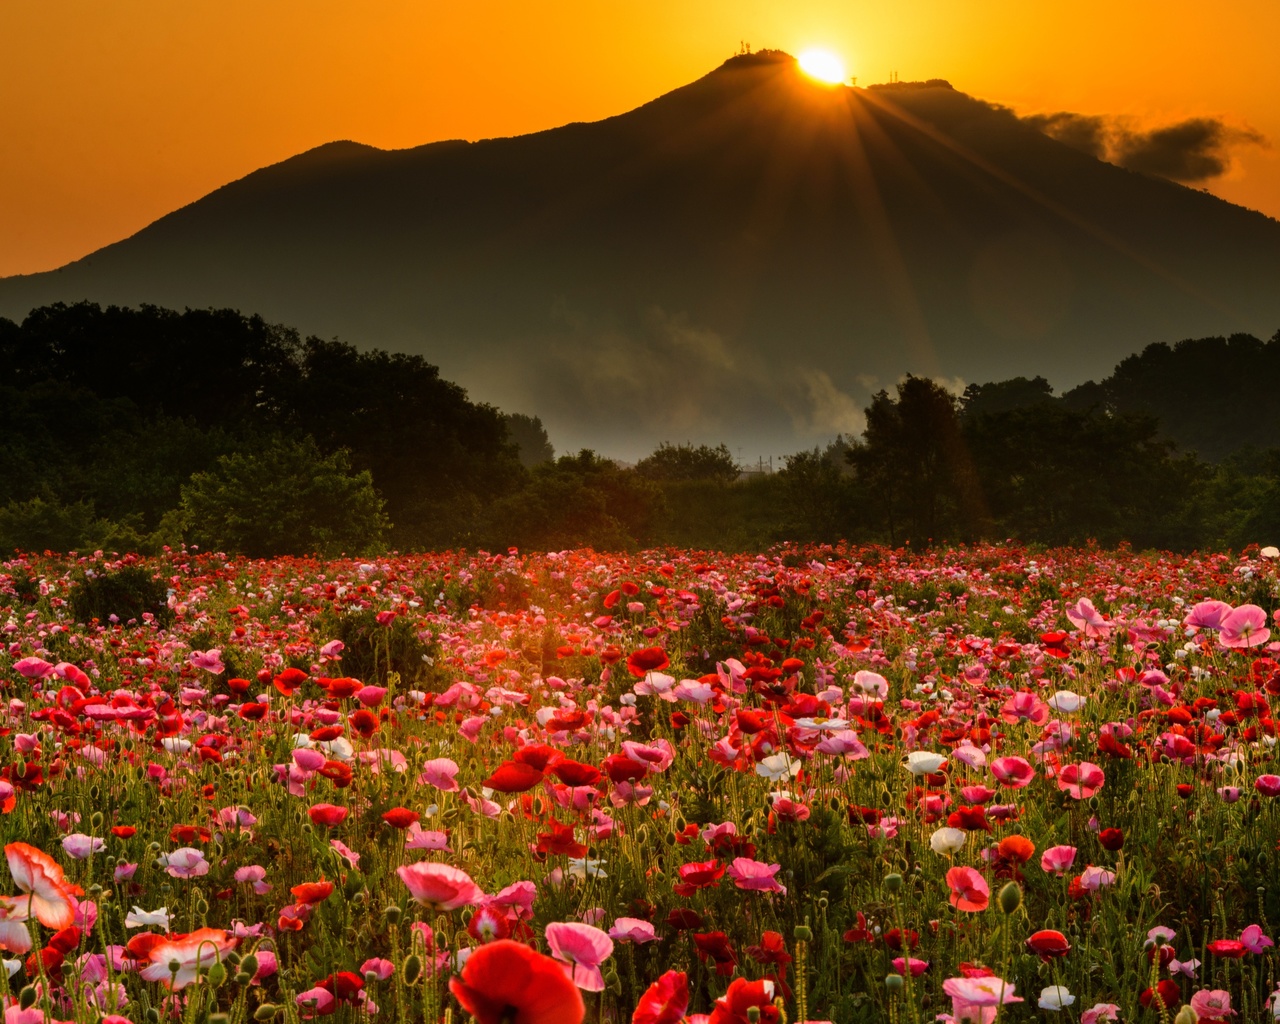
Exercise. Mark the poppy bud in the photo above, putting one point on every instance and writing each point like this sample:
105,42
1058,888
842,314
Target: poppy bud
217,974
803,933
153,1016
1010,897
264,1013
893,882
392,915
27,997
1186,1016
893,982
412,969
753,1014
95,819
219,1018
249,966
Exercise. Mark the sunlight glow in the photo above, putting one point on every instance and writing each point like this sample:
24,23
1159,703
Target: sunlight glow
823,65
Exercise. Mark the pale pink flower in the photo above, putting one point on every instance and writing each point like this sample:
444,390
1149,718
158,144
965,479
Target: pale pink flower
184,862
1094,878
1212,1004
632,929
345,852
755,876
210,661
440,886
1246,626
79,846
417,838
978,999
1084,616
1100,1012
583,948
1207,615
517,899
969,890
1058,859
379,968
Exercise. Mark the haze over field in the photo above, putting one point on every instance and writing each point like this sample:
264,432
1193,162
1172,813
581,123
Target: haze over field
749,257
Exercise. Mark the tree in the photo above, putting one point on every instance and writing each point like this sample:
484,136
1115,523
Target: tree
530,438
912,461
287,498
670,463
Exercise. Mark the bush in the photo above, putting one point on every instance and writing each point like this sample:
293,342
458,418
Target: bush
46,524
371,651
287,498
127,593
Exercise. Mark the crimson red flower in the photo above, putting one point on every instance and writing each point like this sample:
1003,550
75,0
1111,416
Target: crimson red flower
338,773
187,834
560,839
698,875
1016,849
538,755
772,949
575,773
400,817
514,777
327,814
123,831
682,919
893,938
715,946
1230,949
1048,944
732,1007
665,1001
364,722
1170,994
1111,838
646,660
506,981
621,768
341,686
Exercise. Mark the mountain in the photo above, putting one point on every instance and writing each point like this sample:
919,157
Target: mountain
745,259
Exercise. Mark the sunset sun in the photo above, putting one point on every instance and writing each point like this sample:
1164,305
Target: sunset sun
823,65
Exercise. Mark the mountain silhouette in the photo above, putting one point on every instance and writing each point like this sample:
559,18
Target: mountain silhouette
747,258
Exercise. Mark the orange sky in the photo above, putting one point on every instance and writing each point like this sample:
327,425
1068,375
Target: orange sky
114,112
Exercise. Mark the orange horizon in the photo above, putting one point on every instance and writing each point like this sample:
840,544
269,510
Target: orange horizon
118,116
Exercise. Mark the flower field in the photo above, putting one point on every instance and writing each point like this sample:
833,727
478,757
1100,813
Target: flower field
826,784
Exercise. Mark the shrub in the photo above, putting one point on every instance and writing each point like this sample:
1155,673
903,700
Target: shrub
126,593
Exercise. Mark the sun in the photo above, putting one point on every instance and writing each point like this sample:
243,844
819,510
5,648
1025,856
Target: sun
823,65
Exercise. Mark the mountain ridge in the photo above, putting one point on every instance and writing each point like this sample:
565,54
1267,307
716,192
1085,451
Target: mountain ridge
750,256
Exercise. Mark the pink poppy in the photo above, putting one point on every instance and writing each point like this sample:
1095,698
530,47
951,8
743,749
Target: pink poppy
1246,626
583,948
969,890
440,886
184,862
210,661
50,897
1082,780
632,929
755,876
1253,940
1025,707
440,772
1058,859
978,999
1013,772
1094,878
1084,616
1212,1004
176,960
1267,785
1207,615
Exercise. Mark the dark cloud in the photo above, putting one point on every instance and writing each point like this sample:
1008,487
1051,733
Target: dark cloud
1190,151
1089,134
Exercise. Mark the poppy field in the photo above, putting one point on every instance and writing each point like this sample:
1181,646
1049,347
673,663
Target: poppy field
816,784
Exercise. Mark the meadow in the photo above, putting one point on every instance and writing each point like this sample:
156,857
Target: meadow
815,784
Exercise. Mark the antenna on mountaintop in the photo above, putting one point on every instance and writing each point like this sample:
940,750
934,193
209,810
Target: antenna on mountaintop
893,78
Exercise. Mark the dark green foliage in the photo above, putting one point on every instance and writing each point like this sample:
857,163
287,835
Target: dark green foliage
372,650
287,498
44,523
580,500
530,438
670,462
127,593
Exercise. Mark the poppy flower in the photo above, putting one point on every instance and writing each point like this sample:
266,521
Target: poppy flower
646,660
732,1007
1081,781
583,948
1016,849
665,1001
506,981
39,876
289,680
123,831
1229,949
440,886
1048,944
1012,772
327,814
400,817
969,890
698,875
513,777
1111,839
1170,994
312,893
715,946
575,773
176,960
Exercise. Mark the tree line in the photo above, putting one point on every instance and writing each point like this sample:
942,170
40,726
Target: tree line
136,428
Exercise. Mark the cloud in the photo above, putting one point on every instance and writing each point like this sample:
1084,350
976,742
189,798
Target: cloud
1190,151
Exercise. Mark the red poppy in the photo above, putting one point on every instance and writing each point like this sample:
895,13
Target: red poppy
1048,944
123,831
326,733
1170,994
665,1001
1111,838
698,875
327,814
337,773
537,755
66,940
364,722
289,680
575,773
252,712
682,919
772,949
1230,949
506,981
312,893
561,840
341,686
646,660
970,819
400,817
734,1005
344,985
1016,849
513,777
715,946
187,834
893,938
621,768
